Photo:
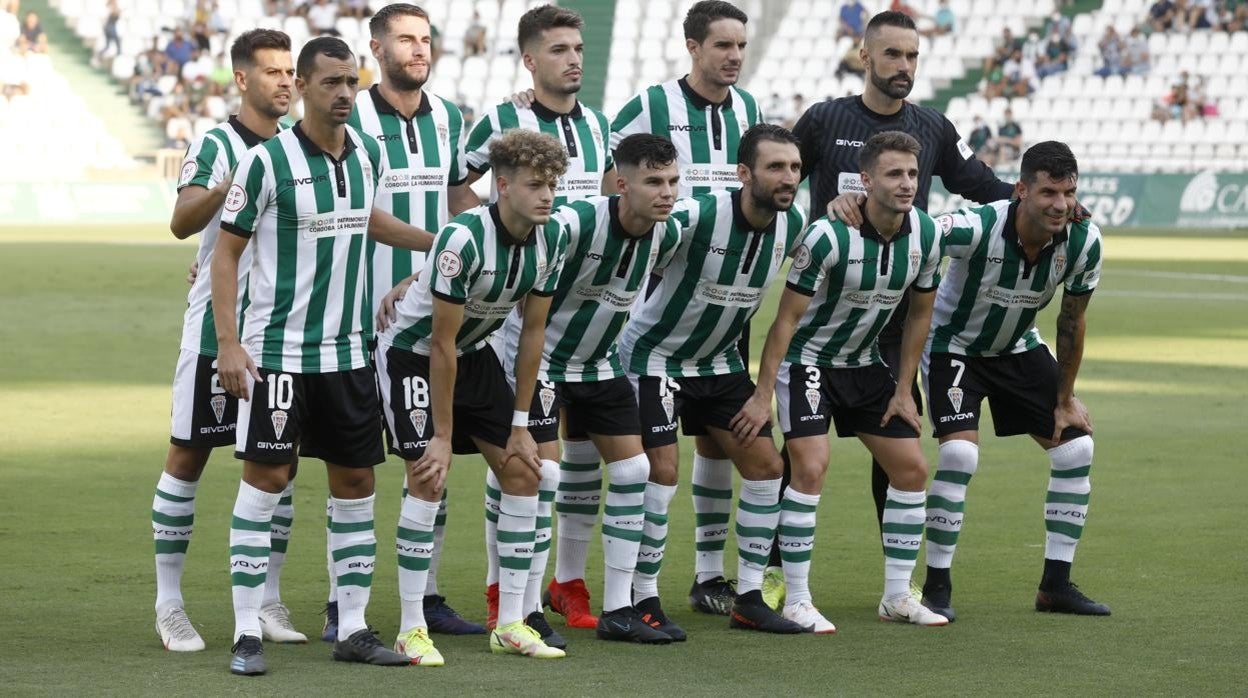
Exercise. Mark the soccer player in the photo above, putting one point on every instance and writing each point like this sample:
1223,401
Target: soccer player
613,245
204,414
681,350
445,390
1006,261
844,284
421,136
303,202
705,115
552,48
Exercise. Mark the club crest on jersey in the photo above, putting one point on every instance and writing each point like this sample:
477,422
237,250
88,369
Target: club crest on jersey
669,406
594,130
419,418
1059,264
279,422
547,396
955,398
777,253
812,399
218,407
444,134
915,258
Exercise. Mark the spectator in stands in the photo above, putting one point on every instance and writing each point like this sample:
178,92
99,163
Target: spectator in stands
1033,47
1161,15
1021,75
1009,138
32,39
946,22
199,34
1182,16
323,18
222,72
994,80
179,50
980,141
111,38
851,63
1111,53
905,9
200,65
1135,57
435,48
366,73
1202,14
358,9
217,21
1238,10
474,37
853,20
1056,54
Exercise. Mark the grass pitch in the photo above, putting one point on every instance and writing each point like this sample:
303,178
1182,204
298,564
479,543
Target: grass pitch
88,338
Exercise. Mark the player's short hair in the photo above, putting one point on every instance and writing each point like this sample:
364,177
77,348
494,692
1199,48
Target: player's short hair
888,18
243,50
330,46
536,21
1053,157
886,141
379,25
645,150
747,151
700,17
519,148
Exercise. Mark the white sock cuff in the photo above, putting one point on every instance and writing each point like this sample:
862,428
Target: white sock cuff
290,489
178,488
761,490
658,497
550,476
715,473
905,497
801,497
629,471
354,509
419,511
959,455
581,452
517,505
255,498
1075,453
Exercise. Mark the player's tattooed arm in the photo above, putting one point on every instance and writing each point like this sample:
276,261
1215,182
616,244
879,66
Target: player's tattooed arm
1071,328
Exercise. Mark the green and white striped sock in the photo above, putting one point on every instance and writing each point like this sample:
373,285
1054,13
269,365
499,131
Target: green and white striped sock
758,514
622,521
173,517
946,500
797,542
1066,503
329,550
653,540
712,506
439,535
576,507
493,497
902,536
354,545
517,519
414,544
279,539
249,555
541,541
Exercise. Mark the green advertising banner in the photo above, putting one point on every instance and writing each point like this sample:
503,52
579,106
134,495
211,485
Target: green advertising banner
1204,200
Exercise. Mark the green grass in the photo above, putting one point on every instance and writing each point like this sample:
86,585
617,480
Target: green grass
88,338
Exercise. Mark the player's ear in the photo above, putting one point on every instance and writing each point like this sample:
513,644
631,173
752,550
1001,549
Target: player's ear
691,46
301,85
240,79
1020,188
743,172
374,47
529,64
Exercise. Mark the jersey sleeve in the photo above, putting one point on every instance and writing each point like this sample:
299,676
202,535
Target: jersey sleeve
557,246
959,232
633,118
668,245
456,264
1086,270
477,149
458,171
929,268
249,196
374,156
816,255
204,163
809,133
604,128
796,230
962,173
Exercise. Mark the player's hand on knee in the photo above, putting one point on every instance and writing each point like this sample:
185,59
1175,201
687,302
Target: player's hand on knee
902,406
750,419
521,447
431,468
234,365
1071,413
847,208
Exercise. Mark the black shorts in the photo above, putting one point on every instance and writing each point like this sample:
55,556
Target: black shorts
854,399
1021,390
699,402
330,416
608,408
483,401
891,353
203,414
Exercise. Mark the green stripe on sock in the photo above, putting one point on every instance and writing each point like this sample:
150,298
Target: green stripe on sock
251,581
762,509
172,497
279,545
650,568
350,526
250,550
415,564
609,510
956,477
710,519
492,493
938,502
637,488
545,495
577,467
282,521
1064,528
591,486
760,560
621,533
893,527
656,519
584,509
795,531
656,543
795,555
167,520
939,537
541,547
440,520
700,491
491,517
1072,473
710,546
355,579
542,522
1066,498
241,524
902,553
361,550
411,535
515,563
755,532
516,536
285,501
790,505
171,547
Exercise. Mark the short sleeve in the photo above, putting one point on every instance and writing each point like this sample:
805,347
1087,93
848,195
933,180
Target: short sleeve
458,170
249,196
557,247
632,119
204,164
477,149
815,256
668,245
1086,272
929,268
455,264
959,232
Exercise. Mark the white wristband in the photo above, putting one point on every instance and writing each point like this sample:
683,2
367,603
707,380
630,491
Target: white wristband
520,418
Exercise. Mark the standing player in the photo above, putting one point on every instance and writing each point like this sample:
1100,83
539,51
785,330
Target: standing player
203,413
681,348
613,245
844,285
445,389
705,115
552,48
303,202
1006,261
832,133
421,139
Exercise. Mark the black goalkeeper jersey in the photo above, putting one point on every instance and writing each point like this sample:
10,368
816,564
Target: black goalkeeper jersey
832,132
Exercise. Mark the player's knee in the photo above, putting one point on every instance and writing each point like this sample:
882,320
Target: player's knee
911,474
663,468
549,481
186,464
808,475
959,455
351,483
768,467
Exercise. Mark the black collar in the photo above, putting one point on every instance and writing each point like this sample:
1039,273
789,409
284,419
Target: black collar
504,236
1010,232
312,149
875,114
739,221
384,107
868,231
545,113
698,100
250,139
617,228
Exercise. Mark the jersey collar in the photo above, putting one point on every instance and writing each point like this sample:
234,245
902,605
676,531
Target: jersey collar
545,113
1009,232
698,100
868,231
617,228
384,107
250,138
504,236
739,221
312,149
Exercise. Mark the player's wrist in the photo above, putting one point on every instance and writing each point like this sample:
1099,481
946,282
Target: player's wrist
519,420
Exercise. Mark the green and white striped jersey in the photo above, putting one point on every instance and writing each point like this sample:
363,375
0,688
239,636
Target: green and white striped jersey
478,264
856,279
604,272
706,134
690,323
583,132
988,300
306,214
421,158
208,160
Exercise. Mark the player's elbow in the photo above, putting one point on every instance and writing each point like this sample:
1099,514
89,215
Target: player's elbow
180,228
